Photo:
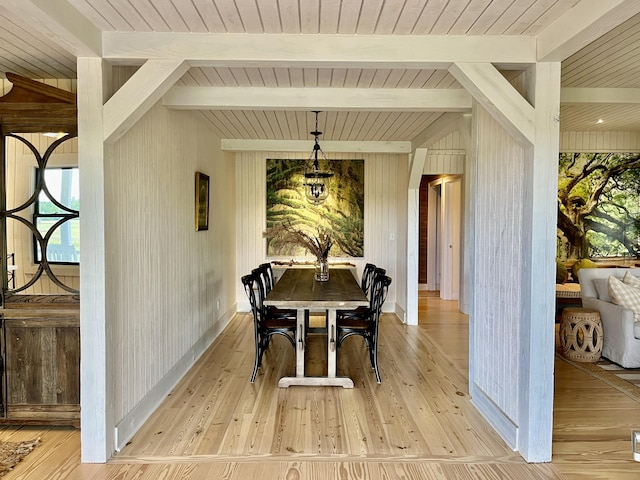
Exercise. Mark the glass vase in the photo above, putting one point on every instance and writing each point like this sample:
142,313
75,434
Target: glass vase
322,269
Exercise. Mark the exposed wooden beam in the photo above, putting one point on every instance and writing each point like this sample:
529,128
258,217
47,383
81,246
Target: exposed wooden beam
296,51
600,95
582,24
363,99
499,97
61,23
416,167
139,94
235,145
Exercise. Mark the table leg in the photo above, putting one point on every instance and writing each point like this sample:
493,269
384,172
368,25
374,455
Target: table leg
332,345
301,341
331,380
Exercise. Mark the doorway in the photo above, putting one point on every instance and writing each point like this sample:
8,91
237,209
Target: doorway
442,252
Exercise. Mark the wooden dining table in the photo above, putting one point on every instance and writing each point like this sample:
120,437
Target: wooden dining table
298,289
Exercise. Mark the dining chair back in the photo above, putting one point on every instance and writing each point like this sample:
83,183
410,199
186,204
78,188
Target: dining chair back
366,323
268,274
367,277
264,327
265,284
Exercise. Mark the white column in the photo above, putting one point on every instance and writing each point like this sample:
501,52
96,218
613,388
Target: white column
97,433
537,334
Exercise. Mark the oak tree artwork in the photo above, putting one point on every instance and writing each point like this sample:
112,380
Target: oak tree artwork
598,205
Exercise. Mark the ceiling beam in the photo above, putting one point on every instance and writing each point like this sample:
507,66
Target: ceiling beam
139,94
239,145
61,23
320,51
582,24
498,97
361,99
600,95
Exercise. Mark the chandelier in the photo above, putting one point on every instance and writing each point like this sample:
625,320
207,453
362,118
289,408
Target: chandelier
316,181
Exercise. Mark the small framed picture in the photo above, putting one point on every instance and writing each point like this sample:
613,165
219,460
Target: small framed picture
202,201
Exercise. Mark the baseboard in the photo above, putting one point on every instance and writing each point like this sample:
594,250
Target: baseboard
495,416
397,310
132,421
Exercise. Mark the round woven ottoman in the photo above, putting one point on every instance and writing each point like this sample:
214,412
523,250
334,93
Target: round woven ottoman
581,334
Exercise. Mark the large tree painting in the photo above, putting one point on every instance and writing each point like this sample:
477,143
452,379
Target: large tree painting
342,214
598,205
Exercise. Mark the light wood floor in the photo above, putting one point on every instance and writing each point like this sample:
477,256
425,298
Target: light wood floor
418,424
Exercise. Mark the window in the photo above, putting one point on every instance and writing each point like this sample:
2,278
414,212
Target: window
56,215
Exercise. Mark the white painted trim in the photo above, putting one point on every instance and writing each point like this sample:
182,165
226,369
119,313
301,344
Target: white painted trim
416,167
500,422
240,145
131,423
317,50
334,99
413,249
398,311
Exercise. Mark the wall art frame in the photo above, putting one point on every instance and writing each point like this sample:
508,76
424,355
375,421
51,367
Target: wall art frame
202,201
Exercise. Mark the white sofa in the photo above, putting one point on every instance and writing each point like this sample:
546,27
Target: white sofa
621,333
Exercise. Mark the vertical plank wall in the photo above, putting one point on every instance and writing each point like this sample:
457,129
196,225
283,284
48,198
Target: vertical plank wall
446,156
599,141
169,287
384,215
496,265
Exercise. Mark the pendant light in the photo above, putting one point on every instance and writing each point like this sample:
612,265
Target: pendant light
316,181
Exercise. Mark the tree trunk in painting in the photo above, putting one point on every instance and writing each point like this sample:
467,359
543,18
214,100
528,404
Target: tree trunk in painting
598,205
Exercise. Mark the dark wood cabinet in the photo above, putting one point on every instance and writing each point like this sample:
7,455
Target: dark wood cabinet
40,344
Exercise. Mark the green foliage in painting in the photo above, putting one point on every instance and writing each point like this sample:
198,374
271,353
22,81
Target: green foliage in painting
342,214
598,205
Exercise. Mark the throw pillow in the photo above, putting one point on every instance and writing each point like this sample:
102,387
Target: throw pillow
631,280
602,288
625,296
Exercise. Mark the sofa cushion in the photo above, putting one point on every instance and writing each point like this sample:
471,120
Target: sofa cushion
602,288
625,296
631,280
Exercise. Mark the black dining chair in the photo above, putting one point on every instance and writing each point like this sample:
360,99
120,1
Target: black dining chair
366,323
367,277
264,274
370,270
265,327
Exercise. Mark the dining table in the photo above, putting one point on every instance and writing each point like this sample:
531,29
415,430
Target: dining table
298,289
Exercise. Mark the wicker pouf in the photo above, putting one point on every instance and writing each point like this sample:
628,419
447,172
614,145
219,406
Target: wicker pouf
581,334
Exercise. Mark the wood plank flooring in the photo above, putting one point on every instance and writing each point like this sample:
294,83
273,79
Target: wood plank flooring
418,424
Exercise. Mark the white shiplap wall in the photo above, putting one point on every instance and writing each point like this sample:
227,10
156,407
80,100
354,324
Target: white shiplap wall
496,264
168,290
382,222
596,141
446,156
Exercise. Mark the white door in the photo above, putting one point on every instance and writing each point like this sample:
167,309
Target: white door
450,234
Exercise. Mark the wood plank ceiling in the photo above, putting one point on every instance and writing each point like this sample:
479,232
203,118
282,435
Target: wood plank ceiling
609,62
